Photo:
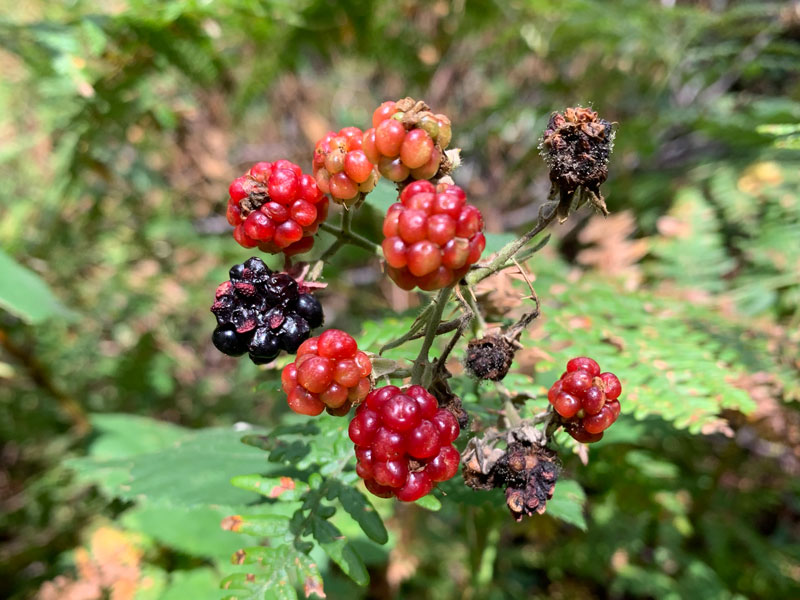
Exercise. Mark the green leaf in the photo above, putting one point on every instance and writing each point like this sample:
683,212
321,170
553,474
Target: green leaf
567,503
197,584
339,550
194,470
308,575
279,488
281,569
258,525
194,530
26,296
429,502
274,586
123,435
359,507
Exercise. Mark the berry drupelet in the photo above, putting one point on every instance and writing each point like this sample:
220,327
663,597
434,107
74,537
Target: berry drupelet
586,399
404,442
262,313
432,236
276,207
341,168
330,373
407,140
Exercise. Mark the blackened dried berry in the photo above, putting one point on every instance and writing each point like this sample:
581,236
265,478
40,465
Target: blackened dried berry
489,357
576,146
262,313
528,473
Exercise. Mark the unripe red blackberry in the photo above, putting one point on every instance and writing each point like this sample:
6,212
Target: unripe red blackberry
330,373
276,207
341,168
404,442
585,399
407,140
262,313
432,236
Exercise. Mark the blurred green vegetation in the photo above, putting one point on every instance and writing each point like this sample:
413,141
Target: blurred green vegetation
121,124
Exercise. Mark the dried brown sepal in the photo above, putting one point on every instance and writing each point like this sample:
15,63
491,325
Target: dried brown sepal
489,357
528,473
448,400
576,146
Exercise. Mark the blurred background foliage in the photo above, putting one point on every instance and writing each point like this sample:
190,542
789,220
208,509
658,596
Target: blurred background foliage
121,123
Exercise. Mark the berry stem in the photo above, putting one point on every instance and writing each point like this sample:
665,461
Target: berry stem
413,332
352,238
316,270
478,324
547,214
347,219
430,334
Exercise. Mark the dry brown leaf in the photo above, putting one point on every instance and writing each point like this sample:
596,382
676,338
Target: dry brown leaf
611,251
108,567
498,295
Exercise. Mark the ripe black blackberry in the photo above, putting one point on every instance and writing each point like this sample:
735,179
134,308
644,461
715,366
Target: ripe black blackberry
262,313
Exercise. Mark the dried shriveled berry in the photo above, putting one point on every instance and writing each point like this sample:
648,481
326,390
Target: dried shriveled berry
490,357
527,472
576,146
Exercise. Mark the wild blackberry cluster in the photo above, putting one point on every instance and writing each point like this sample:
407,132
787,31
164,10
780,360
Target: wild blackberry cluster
586,400
431,236
262,313
408,140
404,442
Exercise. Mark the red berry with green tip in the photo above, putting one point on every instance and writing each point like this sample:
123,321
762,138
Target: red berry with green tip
343,167
332,371
585,399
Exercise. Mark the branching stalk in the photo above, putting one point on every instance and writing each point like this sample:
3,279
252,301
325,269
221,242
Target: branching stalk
546,216
430,334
